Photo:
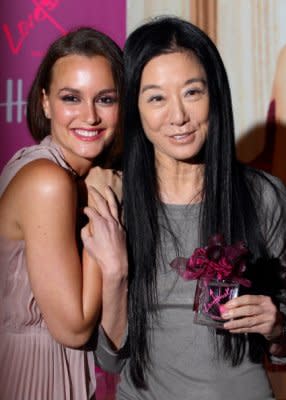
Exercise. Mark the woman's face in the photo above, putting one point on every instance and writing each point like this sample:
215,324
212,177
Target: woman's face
82,105
174,105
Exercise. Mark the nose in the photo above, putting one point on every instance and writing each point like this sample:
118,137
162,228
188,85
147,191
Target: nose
178,113
91,115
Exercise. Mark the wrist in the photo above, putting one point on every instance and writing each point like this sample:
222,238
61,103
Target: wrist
115,280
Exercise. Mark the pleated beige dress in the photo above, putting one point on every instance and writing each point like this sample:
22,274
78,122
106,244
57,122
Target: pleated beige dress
33,366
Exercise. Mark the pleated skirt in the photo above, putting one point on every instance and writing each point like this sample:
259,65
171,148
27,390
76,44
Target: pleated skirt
33,366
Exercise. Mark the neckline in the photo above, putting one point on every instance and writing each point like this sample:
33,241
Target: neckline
181,210
48,141
10,240
174,205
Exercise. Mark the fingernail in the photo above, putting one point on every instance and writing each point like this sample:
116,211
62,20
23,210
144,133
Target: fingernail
222,309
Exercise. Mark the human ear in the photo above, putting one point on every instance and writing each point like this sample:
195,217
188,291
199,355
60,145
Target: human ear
46,104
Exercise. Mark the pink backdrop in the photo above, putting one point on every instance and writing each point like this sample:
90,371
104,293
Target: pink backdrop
27,28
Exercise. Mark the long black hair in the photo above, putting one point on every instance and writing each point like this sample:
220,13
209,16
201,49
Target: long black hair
228,205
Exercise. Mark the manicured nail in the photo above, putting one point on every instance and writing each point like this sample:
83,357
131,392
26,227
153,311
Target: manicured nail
222,309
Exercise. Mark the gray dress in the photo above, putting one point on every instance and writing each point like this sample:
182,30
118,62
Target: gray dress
184,362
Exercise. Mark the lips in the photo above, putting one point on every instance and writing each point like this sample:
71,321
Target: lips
173,131
180,136
88,135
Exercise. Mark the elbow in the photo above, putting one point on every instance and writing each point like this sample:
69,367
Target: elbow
73,339
71,332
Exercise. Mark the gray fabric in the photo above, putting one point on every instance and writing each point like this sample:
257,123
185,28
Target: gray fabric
184,365
105,357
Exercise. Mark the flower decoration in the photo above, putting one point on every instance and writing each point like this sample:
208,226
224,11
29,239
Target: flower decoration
216,261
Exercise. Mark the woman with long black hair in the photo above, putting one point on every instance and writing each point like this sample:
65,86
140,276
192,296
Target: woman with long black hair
182,184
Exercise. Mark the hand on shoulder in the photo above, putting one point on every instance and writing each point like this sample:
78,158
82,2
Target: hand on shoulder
109,247
99,178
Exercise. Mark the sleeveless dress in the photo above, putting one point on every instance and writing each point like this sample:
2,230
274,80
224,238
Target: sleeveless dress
33,366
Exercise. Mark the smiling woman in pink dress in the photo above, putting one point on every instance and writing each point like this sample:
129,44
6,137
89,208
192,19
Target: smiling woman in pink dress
53,294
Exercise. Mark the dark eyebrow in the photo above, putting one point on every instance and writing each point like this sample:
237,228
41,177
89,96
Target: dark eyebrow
188,82
194,80
77,92
106,91
147,87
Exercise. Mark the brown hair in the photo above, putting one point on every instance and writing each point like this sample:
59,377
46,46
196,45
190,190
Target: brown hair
83,41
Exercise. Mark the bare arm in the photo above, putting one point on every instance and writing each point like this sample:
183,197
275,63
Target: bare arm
68,293
109,251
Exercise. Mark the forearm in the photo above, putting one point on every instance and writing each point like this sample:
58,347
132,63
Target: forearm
105,241
91,289
75,312
114,309
108,293
88,297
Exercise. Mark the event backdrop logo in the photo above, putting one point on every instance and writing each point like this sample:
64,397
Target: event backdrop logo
42,11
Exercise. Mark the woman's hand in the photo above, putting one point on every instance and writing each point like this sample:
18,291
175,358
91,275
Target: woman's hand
104,236
104,239
253,314
100,178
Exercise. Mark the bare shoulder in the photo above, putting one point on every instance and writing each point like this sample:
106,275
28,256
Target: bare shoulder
39,185
43,176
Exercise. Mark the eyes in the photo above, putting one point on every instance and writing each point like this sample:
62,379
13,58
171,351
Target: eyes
105,99
108,99
69,98
192,94
195,93
155,99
